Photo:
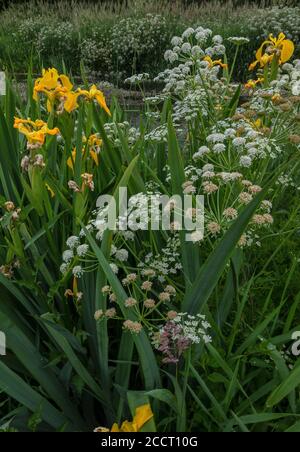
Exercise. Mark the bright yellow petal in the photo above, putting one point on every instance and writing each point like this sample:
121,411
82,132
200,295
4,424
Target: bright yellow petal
143,414
250,84
272,40
39,123
35,94
48,131
65,82
21,122
265,59
257,123
93,91
49,105
101,101
71,160
253,65
94,156
128,427
208,60
259,52
70,163
287,50
71,102
115,428
36,137
83,92
50,78
54,131
94,140
281,37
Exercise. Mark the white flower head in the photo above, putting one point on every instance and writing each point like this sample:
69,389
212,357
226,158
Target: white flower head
82,250
114,268
239,141
245,161
215,138
219,147
208,167
197,51
73,241
217,39
68,256
64,268
121,255
176,41
296,88
77,271
196,236
239,40
188,32
186,47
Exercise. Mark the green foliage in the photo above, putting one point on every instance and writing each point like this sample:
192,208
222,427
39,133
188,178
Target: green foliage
116,42
72,367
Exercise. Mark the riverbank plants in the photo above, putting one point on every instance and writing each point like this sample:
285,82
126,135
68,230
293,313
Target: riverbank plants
139,329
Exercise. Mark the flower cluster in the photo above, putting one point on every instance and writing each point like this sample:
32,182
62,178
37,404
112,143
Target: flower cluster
178,334
35,132
58,90
226,147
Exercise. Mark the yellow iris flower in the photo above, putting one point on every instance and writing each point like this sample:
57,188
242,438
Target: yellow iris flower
95,93
94,143
56,87
251,84
280,46
212,63
35,131
70,103
143,414
71,160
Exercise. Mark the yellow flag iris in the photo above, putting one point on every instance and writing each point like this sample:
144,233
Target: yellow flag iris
35,131
251,84
143,414
281,47
56,87
94,143
212,63
95,93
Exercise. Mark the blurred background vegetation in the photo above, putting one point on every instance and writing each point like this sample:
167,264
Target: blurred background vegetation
114,39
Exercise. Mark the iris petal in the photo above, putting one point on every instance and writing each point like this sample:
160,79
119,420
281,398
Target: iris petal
260,50
142,415
66,82
287,50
